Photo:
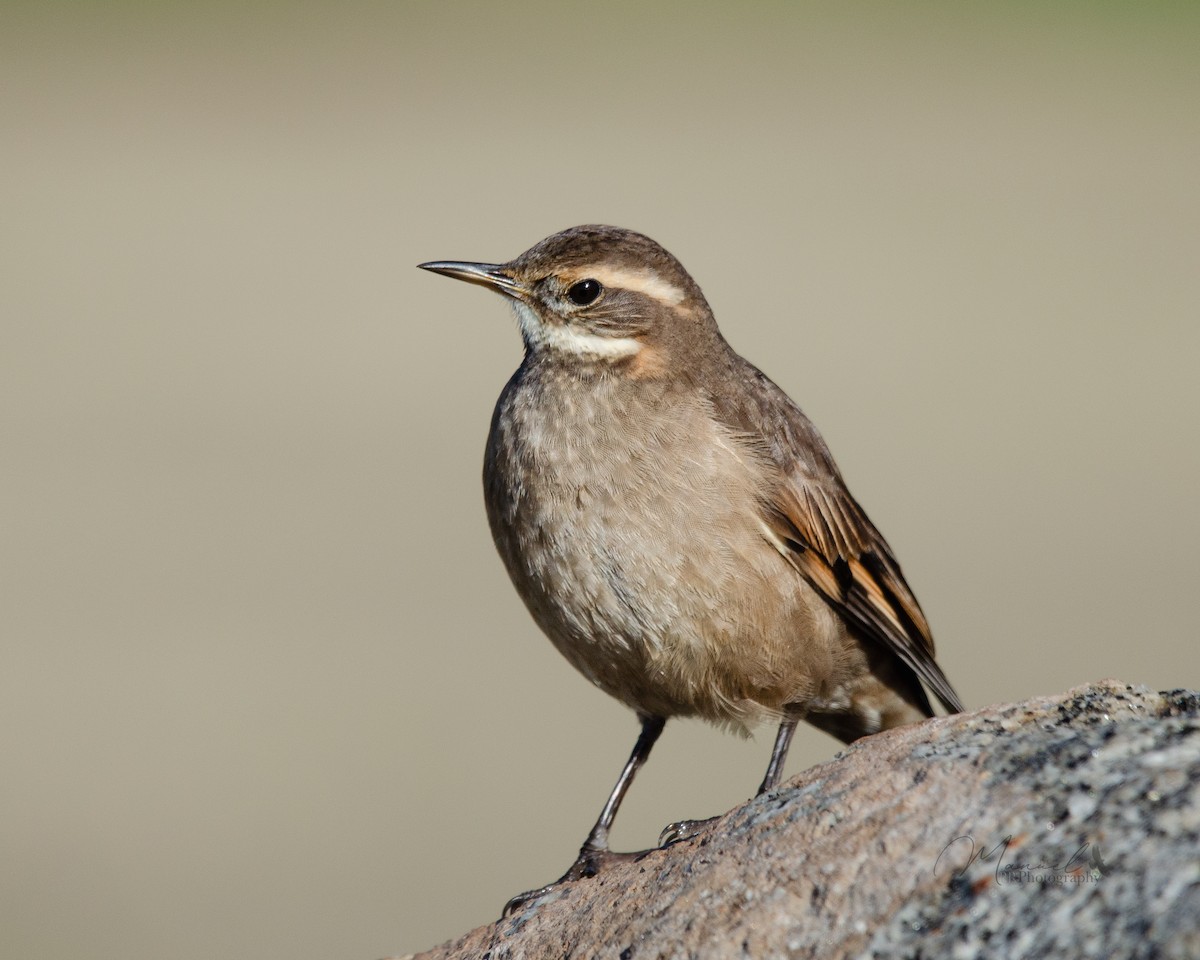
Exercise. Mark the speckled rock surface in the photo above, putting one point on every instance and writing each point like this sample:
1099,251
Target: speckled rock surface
1060,827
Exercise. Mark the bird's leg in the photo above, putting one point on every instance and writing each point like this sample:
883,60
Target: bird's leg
686,829
783,740
594,851
597,840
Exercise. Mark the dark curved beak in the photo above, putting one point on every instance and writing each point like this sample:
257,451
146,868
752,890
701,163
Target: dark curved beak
492,275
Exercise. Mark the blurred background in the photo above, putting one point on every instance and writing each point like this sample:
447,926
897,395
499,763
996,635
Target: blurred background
266,689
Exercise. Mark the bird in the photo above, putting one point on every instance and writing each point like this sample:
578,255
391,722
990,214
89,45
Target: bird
676,526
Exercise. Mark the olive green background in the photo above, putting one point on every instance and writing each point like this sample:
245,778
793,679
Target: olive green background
265,688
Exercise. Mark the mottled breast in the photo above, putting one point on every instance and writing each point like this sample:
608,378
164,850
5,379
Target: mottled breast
628,521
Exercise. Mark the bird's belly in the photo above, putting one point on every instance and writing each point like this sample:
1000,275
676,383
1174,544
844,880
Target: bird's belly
653,575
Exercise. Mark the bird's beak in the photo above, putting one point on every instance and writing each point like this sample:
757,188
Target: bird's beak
492,275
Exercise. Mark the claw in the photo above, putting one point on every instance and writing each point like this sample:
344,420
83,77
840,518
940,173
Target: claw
683,830
587,864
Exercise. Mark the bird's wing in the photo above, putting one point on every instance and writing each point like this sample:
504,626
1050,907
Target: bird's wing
827,536
830,540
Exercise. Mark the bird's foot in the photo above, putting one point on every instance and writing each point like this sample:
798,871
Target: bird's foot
683,830
589,863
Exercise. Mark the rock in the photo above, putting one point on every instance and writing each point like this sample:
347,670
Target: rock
1061,827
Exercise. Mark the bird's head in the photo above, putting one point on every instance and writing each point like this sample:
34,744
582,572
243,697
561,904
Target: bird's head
598,295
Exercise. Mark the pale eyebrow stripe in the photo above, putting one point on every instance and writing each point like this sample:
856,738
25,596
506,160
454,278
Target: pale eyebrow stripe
640,281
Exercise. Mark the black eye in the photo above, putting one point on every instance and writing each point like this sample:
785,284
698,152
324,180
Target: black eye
584,292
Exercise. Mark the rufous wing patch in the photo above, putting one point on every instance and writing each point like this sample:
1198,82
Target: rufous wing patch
830,541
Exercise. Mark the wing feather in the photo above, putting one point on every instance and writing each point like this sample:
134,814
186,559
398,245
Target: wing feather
828,537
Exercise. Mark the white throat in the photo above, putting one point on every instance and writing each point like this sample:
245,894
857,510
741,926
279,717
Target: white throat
565,339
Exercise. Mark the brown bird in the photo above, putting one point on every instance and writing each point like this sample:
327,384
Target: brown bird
674,523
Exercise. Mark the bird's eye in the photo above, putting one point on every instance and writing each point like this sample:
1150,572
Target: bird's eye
584,292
